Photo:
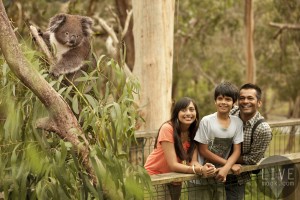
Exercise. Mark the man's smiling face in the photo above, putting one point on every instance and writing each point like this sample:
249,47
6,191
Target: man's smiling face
248,102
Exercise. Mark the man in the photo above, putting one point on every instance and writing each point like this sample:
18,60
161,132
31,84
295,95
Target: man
254,146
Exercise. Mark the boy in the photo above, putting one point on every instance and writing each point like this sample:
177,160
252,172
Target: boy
217,133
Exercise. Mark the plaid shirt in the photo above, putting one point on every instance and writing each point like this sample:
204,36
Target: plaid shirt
253,153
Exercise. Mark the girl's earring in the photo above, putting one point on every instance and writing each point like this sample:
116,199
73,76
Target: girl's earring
177,120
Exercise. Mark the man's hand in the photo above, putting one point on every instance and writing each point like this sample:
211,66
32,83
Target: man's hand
222,173
236,169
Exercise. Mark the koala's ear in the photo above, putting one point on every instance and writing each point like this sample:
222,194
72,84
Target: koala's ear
87,24
56,22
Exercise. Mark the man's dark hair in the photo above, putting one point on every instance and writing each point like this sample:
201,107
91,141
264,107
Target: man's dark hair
227,89
252,86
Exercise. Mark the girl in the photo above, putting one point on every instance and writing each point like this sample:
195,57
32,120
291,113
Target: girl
175,148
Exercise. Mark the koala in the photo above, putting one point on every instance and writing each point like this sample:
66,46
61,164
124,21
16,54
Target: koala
68,37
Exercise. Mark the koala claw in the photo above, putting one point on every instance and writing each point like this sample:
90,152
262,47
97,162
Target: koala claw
40,32
54,73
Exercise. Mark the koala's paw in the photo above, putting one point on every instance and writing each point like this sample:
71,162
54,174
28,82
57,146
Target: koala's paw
40,32
54,75
54,72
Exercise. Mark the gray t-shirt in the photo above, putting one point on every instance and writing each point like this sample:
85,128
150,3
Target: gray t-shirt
219,139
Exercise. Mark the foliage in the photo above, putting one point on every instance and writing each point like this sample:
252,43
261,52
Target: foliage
210,48
203,55
209,43
288,45
36,164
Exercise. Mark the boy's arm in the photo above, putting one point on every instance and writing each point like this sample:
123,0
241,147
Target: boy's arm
234,156
230,162
210,156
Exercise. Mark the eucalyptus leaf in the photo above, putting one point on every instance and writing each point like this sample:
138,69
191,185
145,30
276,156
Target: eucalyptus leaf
83,79
62,90
75,105
92,101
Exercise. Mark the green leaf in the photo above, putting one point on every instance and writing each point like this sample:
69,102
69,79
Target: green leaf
68,91
62,90
92,101
75,104
83,79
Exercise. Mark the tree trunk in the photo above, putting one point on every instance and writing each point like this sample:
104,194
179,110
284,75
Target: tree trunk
296,110
61,119
123,6
295,113
153,35
250,55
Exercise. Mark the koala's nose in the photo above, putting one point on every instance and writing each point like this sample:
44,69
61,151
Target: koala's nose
72,39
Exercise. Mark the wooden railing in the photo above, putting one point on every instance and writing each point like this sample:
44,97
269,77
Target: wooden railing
285,142
284,163
287,159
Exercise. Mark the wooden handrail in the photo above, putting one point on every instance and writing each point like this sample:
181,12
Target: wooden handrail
264,163
282,123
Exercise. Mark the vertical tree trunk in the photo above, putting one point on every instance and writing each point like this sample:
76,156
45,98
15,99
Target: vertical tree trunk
250,56
292,136
123,6
153,35
296,109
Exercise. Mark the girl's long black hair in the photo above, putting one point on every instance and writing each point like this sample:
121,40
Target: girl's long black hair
174,122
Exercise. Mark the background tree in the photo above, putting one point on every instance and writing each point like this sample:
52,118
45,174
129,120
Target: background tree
123,7
205,33
250,56
153,33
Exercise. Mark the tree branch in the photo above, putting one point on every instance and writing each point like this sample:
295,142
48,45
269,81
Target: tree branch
108,29
42,44
125,29
47,124
283,27
113,41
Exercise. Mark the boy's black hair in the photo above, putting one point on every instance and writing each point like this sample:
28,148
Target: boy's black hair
253,86
227,89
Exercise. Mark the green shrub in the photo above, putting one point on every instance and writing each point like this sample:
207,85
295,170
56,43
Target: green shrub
35,164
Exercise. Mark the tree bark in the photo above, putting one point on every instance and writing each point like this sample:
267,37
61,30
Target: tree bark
250,55
295,114
123,7
61,118
153,35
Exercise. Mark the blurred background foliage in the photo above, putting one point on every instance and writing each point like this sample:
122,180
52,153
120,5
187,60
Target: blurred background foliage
209,48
